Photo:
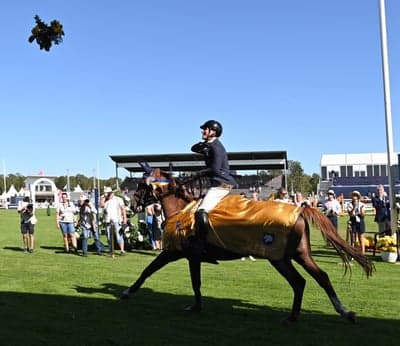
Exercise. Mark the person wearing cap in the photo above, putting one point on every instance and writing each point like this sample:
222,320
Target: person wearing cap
220,177
115,215
65,219
356,211
381,204
332,208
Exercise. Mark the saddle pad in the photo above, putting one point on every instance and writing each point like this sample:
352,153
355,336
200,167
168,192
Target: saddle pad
241,225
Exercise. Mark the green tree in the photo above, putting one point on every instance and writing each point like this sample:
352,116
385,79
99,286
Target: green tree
17,180
299,181
60,182
314,181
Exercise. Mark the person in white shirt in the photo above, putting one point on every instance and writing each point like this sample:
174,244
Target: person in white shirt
283,196
115,217
28,221
66,219
332,208
356,211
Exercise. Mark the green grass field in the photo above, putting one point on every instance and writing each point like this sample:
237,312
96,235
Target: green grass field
52,298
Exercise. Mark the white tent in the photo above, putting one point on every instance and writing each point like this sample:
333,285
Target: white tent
23,192
78,188
12,191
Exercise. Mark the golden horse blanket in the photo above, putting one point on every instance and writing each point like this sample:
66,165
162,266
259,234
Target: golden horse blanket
241,225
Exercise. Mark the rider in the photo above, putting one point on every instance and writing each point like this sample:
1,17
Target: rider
221,179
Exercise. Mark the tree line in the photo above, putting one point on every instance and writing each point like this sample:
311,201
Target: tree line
86,183
297,180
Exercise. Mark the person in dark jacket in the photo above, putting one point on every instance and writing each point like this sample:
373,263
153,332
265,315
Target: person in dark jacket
381,205
217,171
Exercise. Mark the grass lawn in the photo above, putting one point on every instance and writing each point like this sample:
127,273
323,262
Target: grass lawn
52,298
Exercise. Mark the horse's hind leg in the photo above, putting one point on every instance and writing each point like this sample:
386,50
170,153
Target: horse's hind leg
322,278
296,281
160,261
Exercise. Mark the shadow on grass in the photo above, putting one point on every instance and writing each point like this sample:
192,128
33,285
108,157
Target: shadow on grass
96,317
13,248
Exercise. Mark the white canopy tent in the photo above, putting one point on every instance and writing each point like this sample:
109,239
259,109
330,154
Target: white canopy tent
12,191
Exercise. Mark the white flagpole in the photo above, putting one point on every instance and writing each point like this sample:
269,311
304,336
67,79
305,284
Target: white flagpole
4,176
388,116
98,176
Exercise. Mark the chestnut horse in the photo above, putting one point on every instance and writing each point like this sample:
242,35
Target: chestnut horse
281,236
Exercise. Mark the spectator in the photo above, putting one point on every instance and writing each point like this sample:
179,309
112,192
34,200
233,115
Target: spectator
356,211
158,219
381,205
332,208
66,219
149,221
88,225
282,196
300,201
115,216
254,196
28,221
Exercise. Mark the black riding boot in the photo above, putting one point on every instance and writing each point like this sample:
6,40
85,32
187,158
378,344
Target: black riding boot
202,227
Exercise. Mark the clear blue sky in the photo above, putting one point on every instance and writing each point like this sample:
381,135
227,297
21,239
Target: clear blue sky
139,77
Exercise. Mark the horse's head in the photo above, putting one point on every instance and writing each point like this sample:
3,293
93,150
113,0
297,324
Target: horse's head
161,186
142,197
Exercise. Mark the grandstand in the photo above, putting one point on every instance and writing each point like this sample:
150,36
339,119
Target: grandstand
344,173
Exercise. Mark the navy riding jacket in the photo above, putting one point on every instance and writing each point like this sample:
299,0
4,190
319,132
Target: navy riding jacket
216,160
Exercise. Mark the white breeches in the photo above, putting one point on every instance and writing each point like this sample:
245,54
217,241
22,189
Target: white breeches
212,197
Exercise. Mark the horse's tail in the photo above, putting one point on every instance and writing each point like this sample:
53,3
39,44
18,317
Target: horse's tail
344,250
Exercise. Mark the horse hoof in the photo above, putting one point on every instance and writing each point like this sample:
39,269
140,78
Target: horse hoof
193,308
125,294
351,316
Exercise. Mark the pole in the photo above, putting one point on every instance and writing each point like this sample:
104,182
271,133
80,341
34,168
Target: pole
68,186
98,176
4,176
388,117
116,176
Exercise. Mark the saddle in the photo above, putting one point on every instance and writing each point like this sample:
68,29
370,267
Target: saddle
241,225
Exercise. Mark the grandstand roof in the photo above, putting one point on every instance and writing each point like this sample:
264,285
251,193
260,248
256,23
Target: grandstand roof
356,159
249,160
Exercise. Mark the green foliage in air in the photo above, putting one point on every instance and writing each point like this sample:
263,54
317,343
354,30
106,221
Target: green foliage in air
46,35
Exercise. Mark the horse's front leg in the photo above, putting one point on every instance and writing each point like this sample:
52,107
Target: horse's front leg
195,276
160,261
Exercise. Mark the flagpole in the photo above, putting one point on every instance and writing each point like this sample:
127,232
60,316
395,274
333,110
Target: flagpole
388,116
4,176
98,176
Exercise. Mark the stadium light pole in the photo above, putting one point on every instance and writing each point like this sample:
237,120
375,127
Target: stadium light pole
388,116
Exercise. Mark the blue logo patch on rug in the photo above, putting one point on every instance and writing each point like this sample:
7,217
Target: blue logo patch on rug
268,238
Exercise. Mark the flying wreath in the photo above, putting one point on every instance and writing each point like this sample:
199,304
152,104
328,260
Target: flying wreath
45,35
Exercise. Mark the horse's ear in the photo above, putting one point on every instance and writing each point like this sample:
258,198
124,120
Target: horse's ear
146,167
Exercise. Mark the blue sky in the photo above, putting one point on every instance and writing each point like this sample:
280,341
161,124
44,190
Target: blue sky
140,77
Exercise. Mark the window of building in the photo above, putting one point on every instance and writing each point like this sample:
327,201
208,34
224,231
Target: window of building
349,171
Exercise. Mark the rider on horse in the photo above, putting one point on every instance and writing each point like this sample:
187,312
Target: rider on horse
221,179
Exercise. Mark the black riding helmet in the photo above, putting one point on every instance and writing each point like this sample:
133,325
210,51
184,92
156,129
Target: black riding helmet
213,125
